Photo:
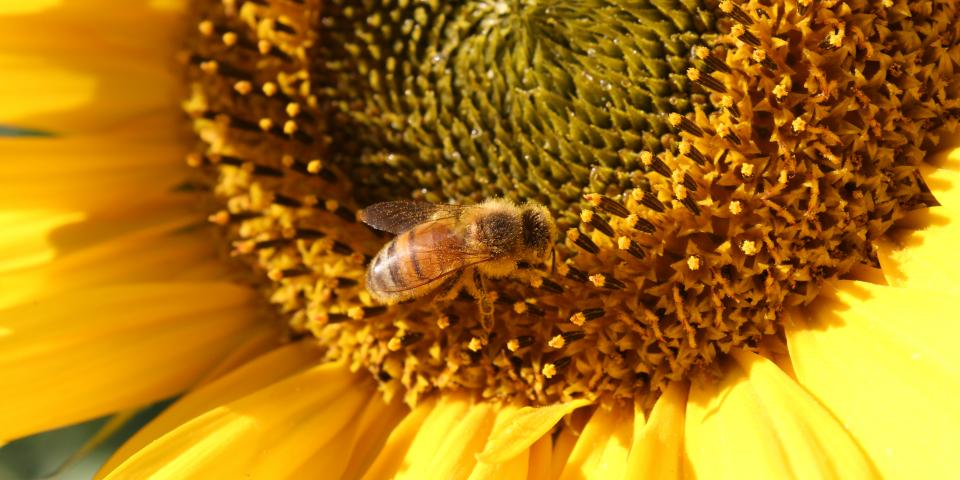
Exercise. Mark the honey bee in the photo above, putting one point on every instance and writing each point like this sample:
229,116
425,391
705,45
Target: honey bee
438,245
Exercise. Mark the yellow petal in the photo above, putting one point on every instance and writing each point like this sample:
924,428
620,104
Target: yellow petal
884,361
434,432
756,422
944,179
518,431
247,379
541,457
373,431
114,171
158,252
562,448
267,434
514,469
87,353
25,241
657,450
924,256
391,456
455,455
601,451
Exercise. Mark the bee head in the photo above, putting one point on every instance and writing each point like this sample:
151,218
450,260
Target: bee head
538,228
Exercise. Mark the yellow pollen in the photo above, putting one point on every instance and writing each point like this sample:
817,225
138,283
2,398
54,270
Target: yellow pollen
395,344
647,157
693,262
264,47
573,234
314,166
536,282
557,342
475,344
693,74
206,27
737,30
220,218
781,90
598,279
799,125
749,247
513,345
759,55
355,313
685,147
586,216
243,87
726,6
194,160
265,124
623,243
736,207
229,39
209,67
290,127
549,370
269,89
680,192
310,200
443,322
702,52
726,101
746,170
578,319
293,109
520,307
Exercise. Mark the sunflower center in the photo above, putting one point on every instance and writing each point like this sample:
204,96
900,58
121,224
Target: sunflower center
708,164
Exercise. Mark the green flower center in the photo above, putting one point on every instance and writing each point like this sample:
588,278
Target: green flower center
708,164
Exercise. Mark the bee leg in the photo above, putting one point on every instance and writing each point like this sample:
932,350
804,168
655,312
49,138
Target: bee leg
483,301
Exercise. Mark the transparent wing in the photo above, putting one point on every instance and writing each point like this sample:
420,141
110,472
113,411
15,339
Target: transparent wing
439,252
402,215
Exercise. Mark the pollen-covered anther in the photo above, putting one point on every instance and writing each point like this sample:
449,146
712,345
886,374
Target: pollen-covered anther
293,109
712,62
736,207
631,247
549,370
606,281
229,39
607,204
749,247
705,80
760,56
395,344
731,9
476,344
314,166
685,124
513,345
746,170
687,148
209,67
443,321
648,199
557,342
356,313
727,133
290,127
221,218
597,222
265,124
781,90
195,160
799,124
582,241
731,106
243,87
275,274
206,28
655,163
693,263
744,35
269,89
520,307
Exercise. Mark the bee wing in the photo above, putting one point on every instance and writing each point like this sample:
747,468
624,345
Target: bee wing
402,215
445,255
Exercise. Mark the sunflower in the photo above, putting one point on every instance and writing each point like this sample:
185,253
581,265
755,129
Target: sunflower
753,276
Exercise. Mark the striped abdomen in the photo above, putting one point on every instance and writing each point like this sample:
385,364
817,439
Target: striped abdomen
416,262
